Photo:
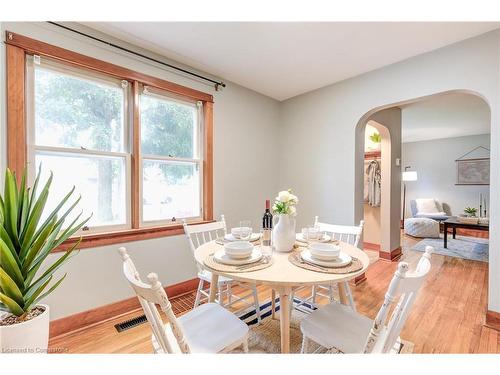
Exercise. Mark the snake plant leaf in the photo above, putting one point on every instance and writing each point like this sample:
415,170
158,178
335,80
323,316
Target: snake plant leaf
9,265
26,238
2,212
51,289
58,263
47,247
12,305
20,198
34,189
34,293
37,246
5,237
56,211
10,206
10,288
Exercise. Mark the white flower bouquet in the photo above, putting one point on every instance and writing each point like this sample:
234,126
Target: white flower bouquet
285,202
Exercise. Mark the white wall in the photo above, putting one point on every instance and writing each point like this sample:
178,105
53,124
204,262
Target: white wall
446,116
434,162
245,125
318,129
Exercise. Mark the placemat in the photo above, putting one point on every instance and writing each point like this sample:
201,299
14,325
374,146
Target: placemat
354,266
210,262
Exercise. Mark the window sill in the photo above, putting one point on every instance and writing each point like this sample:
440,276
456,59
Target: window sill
129,235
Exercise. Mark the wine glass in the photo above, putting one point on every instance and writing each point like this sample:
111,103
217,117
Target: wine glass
245,230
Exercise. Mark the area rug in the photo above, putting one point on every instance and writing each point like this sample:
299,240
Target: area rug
471,248
264,338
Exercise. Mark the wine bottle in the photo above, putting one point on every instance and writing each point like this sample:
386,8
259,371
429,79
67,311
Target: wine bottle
267,225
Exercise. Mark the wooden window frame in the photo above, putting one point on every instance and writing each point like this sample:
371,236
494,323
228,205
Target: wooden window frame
18,47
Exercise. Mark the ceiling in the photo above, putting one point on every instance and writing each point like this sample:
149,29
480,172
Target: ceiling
285,59
445,116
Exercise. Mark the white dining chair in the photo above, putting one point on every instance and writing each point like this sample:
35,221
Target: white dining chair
344,233
336,326
199,234
206,329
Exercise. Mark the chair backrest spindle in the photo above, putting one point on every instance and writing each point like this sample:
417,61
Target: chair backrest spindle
150,295
382,337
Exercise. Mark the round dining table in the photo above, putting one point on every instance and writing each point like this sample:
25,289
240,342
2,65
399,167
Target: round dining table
283,277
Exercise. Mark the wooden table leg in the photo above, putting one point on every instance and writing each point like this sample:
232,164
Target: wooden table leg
285,319
343,294
445,244
273,304
454,232
214,287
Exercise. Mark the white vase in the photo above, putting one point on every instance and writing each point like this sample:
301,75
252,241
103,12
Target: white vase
31,336
284,234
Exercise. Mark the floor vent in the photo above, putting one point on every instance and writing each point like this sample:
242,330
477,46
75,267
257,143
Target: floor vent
131,323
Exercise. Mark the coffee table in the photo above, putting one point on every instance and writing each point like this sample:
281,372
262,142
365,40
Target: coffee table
453,223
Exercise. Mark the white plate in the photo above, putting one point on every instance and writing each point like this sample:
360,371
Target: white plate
221,257
254,237
325,238
343,260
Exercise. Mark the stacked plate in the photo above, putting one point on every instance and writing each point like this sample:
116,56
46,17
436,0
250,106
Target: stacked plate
325,255
323,237
238,253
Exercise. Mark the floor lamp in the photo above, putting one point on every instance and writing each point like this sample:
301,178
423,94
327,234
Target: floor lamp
407,176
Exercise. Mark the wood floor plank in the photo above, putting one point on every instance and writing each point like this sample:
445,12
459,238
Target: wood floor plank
447,317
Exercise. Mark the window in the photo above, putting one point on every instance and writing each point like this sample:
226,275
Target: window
78,130
171,165
137,149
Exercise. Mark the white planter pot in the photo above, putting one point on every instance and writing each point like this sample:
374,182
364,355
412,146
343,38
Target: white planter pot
31,336
284,234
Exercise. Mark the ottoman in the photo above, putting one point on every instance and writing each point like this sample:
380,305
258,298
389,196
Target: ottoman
422,227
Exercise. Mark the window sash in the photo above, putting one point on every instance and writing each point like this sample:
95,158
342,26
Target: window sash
164,96
33,148
181,161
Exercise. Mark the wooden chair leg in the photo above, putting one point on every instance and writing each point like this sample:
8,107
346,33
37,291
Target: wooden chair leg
256,303
273,304
245,345
198,293
350,296
305,345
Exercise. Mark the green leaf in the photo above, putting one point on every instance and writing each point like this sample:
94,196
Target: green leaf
11,210
12,305
58,263
9,264
10,288
37,245
30,297
20,198
5,237
26,238
52,288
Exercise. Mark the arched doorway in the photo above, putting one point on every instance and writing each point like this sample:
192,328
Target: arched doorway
389,118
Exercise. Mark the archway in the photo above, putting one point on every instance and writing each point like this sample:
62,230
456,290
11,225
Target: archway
389,116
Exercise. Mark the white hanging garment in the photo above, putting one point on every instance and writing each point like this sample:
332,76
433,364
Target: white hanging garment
373,178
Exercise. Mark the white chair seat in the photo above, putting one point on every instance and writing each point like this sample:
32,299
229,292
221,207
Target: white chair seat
207,276
209,328
337,326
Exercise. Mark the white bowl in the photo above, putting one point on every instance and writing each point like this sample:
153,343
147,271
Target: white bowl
311,233
238,231
238,249
324,251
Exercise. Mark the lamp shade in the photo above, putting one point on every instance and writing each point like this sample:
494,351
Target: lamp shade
410,176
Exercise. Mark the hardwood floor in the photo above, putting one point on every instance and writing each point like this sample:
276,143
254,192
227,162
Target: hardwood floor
447,317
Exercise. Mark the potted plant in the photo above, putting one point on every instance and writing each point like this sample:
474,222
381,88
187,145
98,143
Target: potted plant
376,138
28,234
284,231
470,211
